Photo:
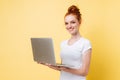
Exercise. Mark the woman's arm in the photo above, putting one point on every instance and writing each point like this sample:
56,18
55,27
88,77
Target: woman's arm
83,71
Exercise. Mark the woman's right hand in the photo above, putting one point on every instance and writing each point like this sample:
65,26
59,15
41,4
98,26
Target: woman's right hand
42,63
54,67
51,66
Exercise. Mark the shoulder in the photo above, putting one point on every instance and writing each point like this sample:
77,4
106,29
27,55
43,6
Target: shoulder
64,42
85,40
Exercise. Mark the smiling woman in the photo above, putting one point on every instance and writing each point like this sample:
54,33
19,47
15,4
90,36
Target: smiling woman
75,51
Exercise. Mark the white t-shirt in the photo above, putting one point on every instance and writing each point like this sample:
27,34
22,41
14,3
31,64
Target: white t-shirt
72,55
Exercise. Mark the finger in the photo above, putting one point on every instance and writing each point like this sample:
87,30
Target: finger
64,68
41,63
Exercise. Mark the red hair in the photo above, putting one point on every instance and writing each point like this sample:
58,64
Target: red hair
74,10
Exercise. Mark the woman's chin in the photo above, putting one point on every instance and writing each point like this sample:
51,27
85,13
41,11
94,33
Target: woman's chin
72,33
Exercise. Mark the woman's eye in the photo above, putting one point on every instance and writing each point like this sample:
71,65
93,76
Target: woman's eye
73,22
66,23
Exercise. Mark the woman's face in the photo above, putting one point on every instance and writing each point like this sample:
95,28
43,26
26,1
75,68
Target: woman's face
72,24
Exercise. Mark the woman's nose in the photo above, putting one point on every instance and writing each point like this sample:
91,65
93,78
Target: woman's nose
69,26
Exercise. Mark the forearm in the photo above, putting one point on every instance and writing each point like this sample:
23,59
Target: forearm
80,72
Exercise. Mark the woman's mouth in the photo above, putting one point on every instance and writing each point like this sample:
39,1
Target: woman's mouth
71,29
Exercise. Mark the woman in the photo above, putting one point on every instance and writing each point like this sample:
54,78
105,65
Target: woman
75,51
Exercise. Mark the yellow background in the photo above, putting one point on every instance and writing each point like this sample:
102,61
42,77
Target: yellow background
22,19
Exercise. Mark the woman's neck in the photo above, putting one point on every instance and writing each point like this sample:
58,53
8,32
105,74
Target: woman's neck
76,36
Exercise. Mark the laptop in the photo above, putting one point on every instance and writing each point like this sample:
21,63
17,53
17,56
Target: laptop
43,51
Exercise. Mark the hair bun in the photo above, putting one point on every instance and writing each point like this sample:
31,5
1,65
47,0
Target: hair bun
73,9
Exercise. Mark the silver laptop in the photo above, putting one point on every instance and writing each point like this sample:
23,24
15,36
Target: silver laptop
43,51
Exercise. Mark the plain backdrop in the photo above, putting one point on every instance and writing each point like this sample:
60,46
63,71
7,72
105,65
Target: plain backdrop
22,19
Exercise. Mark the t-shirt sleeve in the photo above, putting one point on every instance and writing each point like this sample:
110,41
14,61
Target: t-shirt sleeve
87,45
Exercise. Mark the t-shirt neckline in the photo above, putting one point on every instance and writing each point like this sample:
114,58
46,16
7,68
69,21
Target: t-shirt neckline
74,42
